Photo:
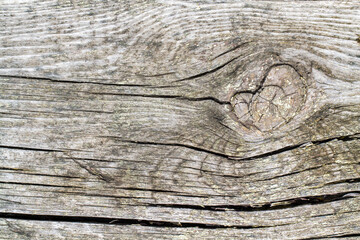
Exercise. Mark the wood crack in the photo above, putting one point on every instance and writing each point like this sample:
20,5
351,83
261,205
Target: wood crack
351,137
75,82
93,171
348,180
283,204
38,184
208,72
148,189
337,236
121,221
290,174
172,144
22,171
194,99
346,138
30,149
232,49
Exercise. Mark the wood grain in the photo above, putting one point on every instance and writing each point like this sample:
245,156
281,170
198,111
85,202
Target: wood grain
179,119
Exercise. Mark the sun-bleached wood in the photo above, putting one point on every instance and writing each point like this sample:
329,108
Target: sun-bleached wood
179,119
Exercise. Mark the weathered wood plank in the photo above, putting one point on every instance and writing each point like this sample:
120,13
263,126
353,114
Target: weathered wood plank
179,119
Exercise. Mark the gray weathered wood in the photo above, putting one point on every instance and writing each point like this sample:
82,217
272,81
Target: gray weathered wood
179,119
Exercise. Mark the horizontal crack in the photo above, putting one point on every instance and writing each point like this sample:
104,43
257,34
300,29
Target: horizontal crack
30,149
283,204
208,98
72,81
351,137
119,221
337,236
171,144
348,180
38,184
207,72
340,138
232,49
195,99
267,154
25,172
147,189
156,75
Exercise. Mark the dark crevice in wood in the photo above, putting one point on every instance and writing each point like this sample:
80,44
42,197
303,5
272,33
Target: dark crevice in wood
93,171
349,180
284,204
205,196
208,72
271,153
72,81
119,221
337,236
155,75
212,173
267,154
102,195
232,49
23,171
90,159
11,201
147,189
89,111
358,39
195,99
30,149
351,137
11,169
291,173
346,138
38,184
27,77
173,145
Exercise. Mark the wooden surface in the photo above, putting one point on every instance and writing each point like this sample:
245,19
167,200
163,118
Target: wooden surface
179,119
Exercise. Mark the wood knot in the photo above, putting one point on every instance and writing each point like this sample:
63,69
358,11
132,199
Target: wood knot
276,100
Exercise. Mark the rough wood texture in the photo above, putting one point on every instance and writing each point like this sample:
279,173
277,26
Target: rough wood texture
179,119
